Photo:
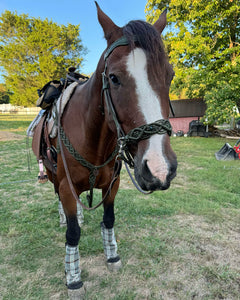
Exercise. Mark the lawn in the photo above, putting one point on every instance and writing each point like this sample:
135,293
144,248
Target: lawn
183,243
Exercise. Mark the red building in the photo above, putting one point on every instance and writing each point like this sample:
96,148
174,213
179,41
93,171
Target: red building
185,111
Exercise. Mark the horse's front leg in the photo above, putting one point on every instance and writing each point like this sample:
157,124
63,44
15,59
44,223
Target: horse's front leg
107,230
72,258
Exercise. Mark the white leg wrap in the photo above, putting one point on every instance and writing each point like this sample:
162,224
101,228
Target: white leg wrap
63,221
109,242
72,265
80,215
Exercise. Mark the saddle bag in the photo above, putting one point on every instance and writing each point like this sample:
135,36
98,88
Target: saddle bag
49,93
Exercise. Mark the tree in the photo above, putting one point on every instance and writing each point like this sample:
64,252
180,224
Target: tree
203,44
35,51
4,94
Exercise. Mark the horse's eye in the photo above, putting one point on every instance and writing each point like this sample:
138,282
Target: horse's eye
114,79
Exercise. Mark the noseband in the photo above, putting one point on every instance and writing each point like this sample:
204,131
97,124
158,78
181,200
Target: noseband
139,133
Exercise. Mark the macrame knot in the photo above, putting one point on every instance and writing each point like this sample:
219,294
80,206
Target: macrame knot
141,133
145,131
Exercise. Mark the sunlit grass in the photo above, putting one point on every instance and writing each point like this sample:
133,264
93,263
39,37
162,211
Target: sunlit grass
182,243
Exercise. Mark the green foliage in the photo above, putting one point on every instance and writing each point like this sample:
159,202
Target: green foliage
221,103
4,94
35,51
203,44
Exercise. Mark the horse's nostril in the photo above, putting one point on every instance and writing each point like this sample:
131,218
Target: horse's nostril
172,171
147,175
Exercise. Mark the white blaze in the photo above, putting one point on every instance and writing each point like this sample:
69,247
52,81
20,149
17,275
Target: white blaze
149,105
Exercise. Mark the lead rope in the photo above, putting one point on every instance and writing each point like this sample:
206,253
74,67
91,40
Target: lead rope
135,182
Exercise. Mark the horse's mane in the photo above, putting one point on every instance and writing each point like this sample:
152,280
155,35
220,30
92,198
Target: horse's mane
149,39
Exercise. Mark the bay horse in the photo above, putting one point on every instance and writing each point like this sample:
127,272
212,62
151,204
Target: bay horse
121,112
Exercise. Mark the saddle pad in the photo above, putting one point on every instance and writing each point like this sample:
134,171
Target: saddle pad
52,121
67,93
34,123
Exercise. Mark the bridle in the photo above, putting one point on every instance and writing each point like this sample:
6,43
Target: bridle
121,151
137,134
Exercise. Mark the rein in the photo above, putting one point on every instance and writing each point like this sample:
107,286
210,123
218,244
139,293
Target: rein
121,150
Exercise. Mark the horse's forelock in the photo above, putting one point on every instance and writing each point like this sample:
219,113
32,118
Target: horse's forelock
148,39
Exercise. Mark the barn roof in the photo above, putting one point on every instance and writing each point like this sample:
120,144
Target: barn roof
188,108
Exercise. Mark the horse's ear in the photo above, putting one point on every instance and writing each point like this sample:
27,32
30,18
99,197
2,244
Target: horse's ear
161,23
107,24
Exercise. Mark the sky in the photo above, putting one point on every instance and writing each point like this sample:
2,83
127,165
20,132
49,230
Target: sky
81,12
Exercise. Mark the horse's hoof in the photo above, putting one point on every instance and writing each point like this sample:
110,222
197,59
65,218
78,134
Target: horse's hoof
78,294
114,265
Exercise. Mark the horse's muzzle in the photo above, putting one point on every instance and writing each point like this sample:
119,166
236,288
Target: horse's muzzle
149,182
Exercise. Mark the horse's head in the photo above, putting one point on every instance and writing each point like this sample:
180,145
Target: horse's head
139,77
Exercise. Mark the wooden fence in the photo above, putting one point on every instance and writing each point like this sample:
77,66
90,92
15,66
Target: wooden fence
19,110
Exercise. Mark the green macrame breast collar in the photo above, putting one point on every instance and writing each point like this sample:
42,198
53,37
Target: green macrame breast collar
92,168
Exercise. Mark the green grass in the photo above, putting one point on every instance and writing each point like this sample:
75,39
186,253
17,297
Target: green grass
15,123
182,243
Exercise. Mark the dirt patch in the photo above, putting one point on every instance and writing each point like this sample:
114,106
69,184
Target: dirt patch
201,262
9,136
